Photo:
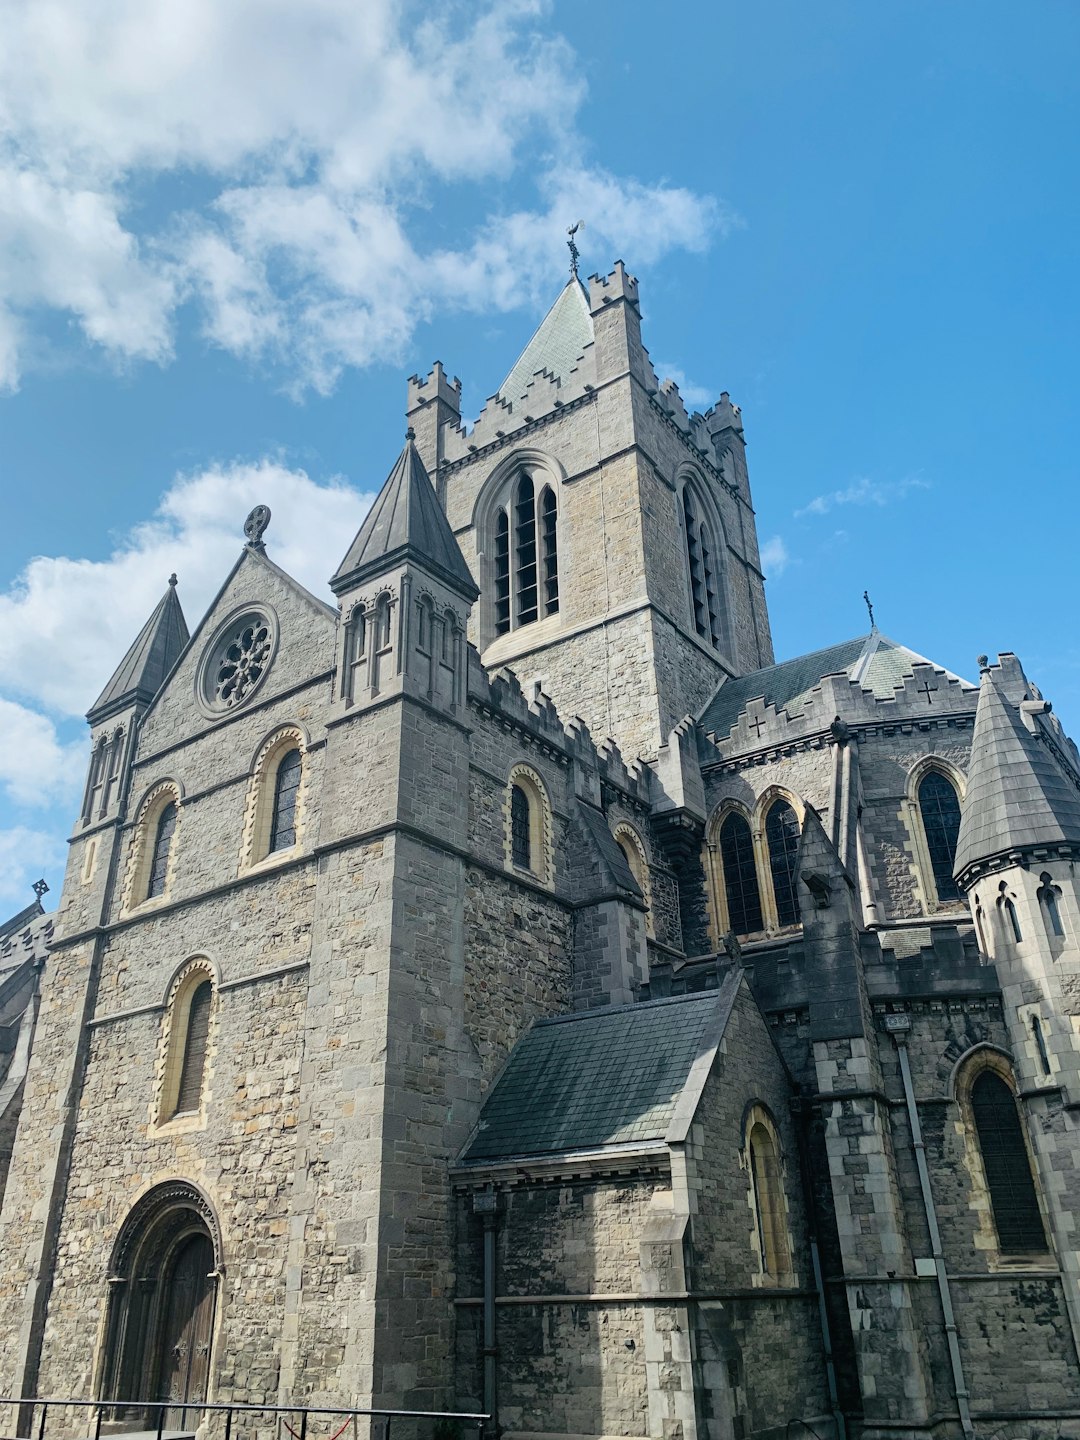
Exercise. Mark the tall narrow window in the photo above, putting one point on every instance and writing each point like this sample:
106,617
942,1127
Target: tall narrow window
355,652
939,806
1049,894
502,573
95,780
769,1202
1007,911
740,876
189,1090
979,930
159,861
286,786
704,566
1009,1179
116,750
520,828
525,550
782,840
1040,1044
549,547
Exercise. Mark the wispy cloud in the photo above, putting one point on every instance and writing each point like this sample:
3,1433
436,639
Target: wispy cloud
320,136
775,557
864,491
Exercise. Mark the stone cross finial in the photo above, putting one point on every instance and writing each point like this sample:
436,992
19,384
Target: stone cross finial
255,526
172,581
40,888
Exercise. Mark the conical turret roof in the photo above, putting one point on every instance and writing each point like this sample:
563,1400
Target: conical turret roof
152,655
405,522
559,343
1020,794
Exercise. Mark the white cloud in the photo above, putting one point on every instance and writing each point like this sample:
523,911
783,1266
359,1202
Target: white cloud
27,854
774,557
313,136
90,611
36,769
864,491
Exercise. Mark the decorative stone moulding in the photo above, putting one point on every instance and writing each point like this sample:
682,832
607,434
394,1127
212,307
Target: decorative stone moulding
237,659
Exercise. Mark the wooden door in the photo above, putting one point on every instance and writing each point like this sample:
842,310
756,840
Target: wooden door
187,1321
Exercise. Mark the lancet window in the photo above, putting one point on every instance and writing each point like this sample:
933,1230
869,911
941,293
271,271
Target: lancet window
526,555
754,862
1050,903
286,789
159,860
1007,912
770,1211
528,825
939,809
1006,1165
705,569
186,1042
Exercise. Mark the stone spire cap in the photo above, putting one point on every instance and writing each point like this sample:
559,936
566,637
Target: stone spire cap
155,650
1019,795
406,522
561,340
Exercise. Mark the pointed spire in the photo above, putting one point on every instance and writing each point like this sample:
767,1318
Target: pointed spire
1020,796
154,652
559,343
406,522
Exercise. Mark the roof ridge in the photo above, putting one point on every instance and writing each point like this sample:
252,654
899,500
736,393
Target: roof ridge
635,1006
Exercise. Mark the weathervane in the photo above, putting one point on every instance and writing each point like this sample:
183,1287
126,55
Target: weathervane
575,253
869,606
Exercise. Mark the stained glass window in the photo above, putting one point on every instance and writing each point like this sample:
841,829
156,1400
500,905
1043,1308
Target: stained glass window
740,876
1008,1170
939,806
782,840
159,862
286,786
520,828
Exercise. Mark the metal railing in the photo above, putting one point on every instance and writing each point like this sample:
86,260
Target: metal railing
162,1408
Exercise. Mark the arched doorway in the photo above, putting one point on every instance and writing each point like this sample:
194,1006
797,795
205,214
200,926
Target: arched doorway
163,1296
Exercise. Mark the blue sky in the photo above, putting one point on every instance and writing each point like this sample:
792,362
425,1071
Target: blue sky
229,231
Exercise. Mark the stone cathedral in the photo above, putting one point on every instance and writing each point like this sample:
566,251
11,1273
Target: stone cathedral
508,989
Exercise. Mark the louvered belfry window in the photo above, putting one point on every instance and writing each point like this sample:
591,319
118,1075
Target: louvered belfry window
189,1092
520,828
782,839
526,556
1008,1170
704,579
286,787
740,876
159,861
939,806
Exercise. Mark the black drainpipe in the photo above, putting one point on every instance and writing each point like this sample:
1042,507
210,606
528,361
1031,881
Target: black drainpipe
485,1204
802,1115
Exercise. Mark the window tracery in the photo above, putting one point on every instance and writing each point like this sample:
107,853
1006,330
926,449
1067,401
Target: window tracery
237,660
525,547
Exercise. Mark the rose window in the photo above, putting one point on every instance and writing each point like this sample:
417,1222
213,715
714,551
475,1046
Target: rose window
236,661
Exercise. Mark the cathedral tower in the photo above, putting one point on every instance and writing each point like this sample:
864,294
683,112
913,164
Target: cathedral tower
611,534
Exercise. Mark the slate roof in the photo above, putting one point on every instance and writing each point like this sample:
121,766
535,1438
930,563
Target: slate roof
876,662
599,1078
405,522
559,343
1019,794
154,652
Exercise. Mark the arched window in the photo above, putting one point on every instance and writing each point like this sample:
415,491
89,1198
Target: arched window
355,653
95,780
704,566
770,1212
186,1042
939,808
1007,912
273,825
979,929
740,876
1049,897
153,846
633,849
528,842
189,1090
286,787
159,860
782,842
526,556
1040,1044
1009,1180
520,828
